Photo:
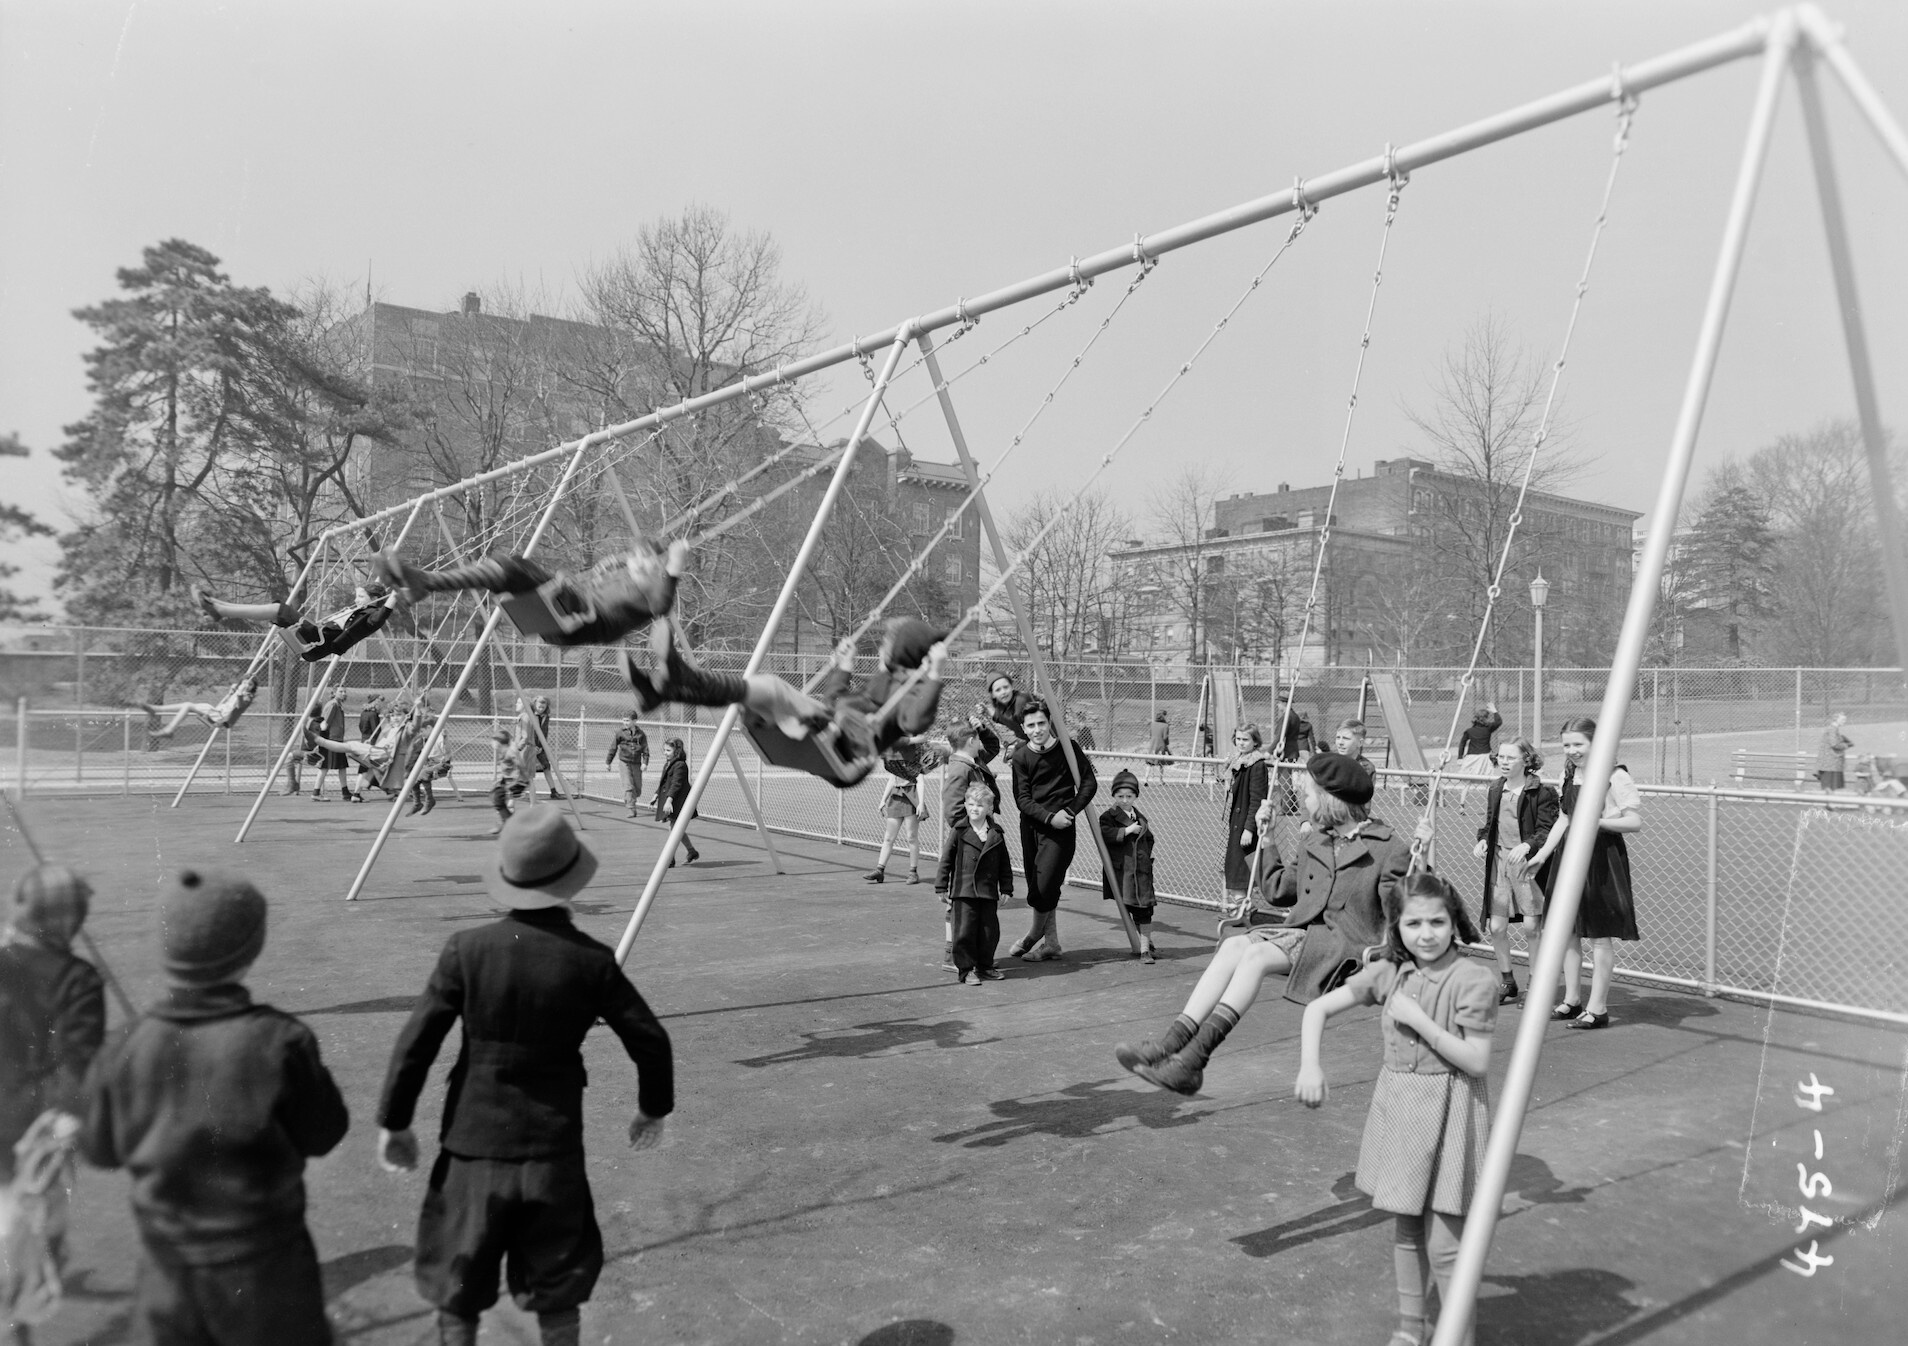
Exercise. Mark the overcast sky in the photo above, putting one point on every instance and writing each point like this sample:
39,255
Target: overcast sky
904,155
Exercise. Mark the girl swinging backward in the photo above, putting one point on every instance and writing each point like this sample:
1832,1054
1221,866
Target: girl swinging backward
221,715
1430,1110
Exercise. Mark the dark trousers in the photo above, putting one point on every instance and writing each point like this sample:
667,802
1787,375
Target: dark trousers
533,1219
276,1299
1046,856
632,784
976,933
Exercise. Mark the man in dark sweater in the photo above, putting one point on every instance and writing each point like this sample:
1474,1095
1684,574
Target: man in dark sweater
1049,801
509,1183
214,1104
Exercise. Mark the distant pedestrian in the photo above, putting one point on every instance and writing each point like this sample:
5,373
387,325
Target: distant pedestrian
1159,747
672,794
630,750
1831,755
1479,738
508,1192
540,707
1248,781
214,1103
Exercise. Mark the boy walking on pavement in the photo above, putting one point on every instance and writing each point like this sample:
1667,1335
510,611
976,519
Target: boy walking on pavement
508,1191
213,1104
1049,802
631,748
976,872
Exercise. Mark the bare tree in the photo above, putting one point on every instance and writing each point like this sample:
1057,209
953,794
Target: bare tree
1183,513
1073,602
1488,400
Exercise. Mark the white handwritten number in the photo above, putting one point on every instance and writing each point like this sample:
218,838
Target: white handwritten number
1815,1089
1811,1257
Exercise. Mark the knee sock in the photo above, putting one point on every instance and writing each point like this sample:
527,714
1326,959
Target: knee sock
1211,1033
562,1327
455,1330
1446,1231
1178,1033
1413,1268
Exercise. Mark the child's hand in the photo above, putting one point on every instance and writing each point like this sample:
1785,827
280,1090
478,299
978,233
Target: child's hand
1519,852
1245,838
397,1150
1405,1012
1264,816
669,808
645,1132
1132,830
1478,850
1310,1088
1063,819
1426,831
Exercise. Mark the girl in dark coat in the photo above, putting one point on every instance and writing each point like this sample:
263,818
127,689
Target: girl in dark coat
540,707
1515,843
1247,783
672,793
1129,843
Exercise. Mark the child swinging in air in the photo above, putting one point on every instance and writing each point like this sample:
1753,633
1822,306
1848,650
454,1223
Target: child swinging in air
220,715
600,606
333,634
858,724
1430,1110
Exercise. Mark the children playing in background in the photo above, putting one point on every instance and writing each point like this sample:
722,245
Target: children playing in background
1159,746
509,1185
1607,910
1430,1109
214,1103
1247,784
53,1003
1129,844
1348,740
900,804
672,794
976,872
513,771
222,714
1515,843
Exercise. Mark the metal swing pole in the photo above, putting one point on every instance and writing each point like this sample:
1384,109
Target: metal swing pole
251,670
1826,39
741,777
836,484
331,666
1508,1121
1089,816
463,678
1881,488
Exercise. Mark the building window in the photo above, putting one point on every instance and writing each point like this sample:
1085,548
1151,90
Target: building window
959,530
920,517
953,568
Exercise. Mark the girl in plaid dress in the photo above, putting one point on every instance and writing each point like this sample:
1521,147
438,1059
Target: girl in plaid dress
1430,1111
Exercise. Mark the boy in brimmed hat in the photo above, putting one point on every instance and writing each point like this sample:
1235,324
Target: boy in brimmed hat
509,1185
1333,892
52,1003
213,1104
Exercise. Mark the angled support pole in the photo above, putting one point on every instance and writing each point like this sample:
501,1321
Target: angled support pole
741,777
1507,1123
1826,39
1881,487
464,675
295,734
251,670
836,484
1090,817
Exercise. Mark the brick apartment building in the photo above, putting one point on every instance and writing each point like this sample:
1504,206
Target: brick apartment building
1390,530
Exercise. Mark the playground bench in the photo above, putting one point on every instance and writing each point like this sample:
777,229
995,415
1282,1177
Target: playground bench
1789,768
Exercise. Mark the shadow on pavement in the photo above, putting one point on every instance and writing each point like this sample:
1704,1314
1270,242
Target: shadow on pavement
910,1332
1081,1110
871,1039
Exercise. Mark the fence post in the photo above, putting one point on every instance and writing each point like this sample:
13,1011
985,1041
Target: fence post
125,752
1709,899
582,764
228,764
79,706
20,749
841,798
761,796
1798,708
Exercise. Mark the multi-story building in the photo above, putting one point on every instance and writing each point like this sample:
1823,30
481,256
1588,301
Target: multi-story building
1402,576
483,389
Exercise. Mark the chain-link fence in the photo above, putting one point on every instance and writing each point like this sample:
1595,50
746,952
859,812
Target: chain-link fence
1746,888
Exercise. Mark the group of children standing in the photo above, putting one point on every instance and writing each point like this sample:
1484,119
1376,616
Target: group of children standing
214,1102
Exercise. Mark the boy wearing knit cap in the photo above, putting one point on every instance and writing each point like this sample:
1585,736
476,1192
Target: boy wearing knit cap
508,1192
213,1104
1129,844
52,1004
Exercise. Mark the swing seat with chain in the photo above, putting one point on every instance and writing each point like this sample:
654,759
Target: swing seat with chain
842,753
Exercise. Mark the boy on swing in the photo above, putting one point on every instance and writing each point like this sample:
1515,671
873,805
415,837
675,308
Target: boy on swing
600,606
334,633
859,723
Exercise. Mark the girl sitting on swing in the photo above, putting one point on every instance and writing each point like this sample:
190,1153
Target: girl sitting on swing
856,724
387,760
333,634
220,715
616,596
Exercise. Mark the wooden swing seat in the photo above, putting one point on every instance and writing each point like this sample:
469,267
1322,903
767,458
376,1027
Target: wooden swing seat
539,613
288,635
818,754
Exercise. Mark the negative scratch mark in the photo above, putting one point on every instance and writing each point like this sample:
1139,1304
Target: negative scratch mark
112,73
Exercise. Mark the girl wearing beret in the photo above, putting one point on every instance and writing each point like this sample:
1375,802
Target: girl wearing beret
1333,893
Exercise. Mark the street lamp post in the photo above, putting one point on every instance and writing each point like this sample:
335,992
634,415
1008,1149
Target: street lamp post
1539,591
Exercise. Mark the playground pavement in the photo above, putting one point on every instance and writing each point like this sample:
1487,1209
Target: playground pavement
865,1152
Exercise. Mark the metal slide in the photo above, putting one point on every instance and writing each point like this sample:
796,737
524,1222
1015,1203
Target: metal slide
1406,751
